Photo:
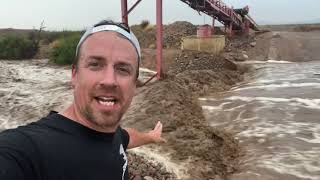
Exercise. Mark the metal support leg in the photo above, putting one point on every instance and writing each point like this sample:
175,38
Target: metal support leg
124,11
159,40
213,28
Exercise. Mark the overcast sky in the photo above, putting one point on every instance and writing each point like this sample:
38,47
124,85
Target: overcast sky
78,14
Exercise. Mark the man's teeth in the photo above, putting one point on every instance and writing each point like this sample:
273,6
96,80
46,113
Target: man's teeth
106,101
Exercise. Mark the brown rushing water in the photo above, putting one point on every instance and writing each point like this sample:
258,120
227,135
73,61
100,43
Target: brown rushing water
276,117
29,90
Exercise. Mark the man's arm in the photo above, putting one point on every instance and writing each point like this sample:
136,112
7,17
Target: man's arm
137,138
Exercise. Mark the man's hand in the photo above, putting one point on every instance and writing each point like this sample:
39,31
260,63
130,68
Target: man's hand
137,138
156,133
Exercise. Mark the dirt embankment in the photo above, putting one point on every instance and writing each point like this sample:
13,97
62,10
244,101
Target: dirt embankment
203,151
286,46
297,44
292,27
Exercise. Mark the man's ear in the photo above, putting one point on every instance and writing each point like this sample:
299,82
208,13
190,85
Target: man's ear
73,75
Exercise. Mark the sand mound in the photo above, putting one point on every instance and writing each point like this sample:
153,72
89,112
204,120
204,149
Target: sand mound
175,31
171,37
208,151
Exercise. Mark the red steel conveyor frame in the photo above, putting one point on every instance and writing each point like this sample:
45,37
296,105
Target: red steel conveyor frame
214,8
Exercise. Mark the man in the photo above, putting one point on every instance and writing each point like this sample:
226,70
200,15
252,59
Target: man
84,141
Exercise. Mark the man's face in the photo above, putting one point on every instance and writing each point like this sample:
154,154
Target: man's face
105,79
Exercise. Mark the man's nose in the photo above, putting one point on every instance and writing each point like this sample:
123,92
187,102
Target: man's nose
109,77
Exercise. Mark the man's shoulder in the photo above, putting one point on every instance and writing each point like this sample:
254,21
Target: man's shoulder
24,136
18,145
20,137
12,137
19,148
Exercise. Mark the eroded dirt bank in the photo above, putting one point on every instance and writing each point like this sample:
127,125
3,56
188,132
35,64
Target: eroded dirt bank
198,150
286,46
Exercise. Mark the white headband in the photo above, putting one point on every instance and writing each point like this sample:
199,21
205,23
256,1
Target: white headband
111,27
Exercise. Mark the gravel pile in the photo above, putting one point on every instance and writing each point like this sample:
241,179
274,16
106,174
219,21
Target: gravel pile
145,35
237,47
195,60
175,31
171,37
143,169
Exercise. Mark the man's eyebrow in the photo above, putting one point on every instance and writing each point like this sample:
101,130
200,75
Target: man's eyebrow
125,64
95,57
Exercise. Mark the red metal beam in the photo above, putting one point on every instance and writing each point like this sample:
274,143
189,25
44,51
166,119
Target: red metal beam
159,40
221,12
213,23
135,4
124,11
145,83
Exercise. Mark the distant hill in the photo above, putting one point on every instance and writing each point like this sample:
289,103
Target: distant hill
293,27
15,32
312,21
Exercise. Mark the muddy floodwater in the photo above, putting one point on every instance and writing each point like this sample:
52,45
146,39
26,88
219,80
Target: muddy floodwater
30,89
276,117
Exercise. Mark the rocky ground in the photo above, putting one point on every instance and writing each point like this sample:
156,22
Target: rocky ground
143,168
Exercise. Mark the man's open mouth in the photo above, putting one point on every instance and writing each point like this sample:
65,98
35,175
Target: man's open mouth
106,101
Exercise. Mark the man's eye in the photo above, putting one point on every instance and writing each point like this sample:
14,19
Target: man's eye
95,65
124,70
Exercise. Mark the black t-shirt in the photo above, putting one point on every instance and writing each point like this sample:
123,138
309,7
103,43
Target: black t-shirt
57,148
